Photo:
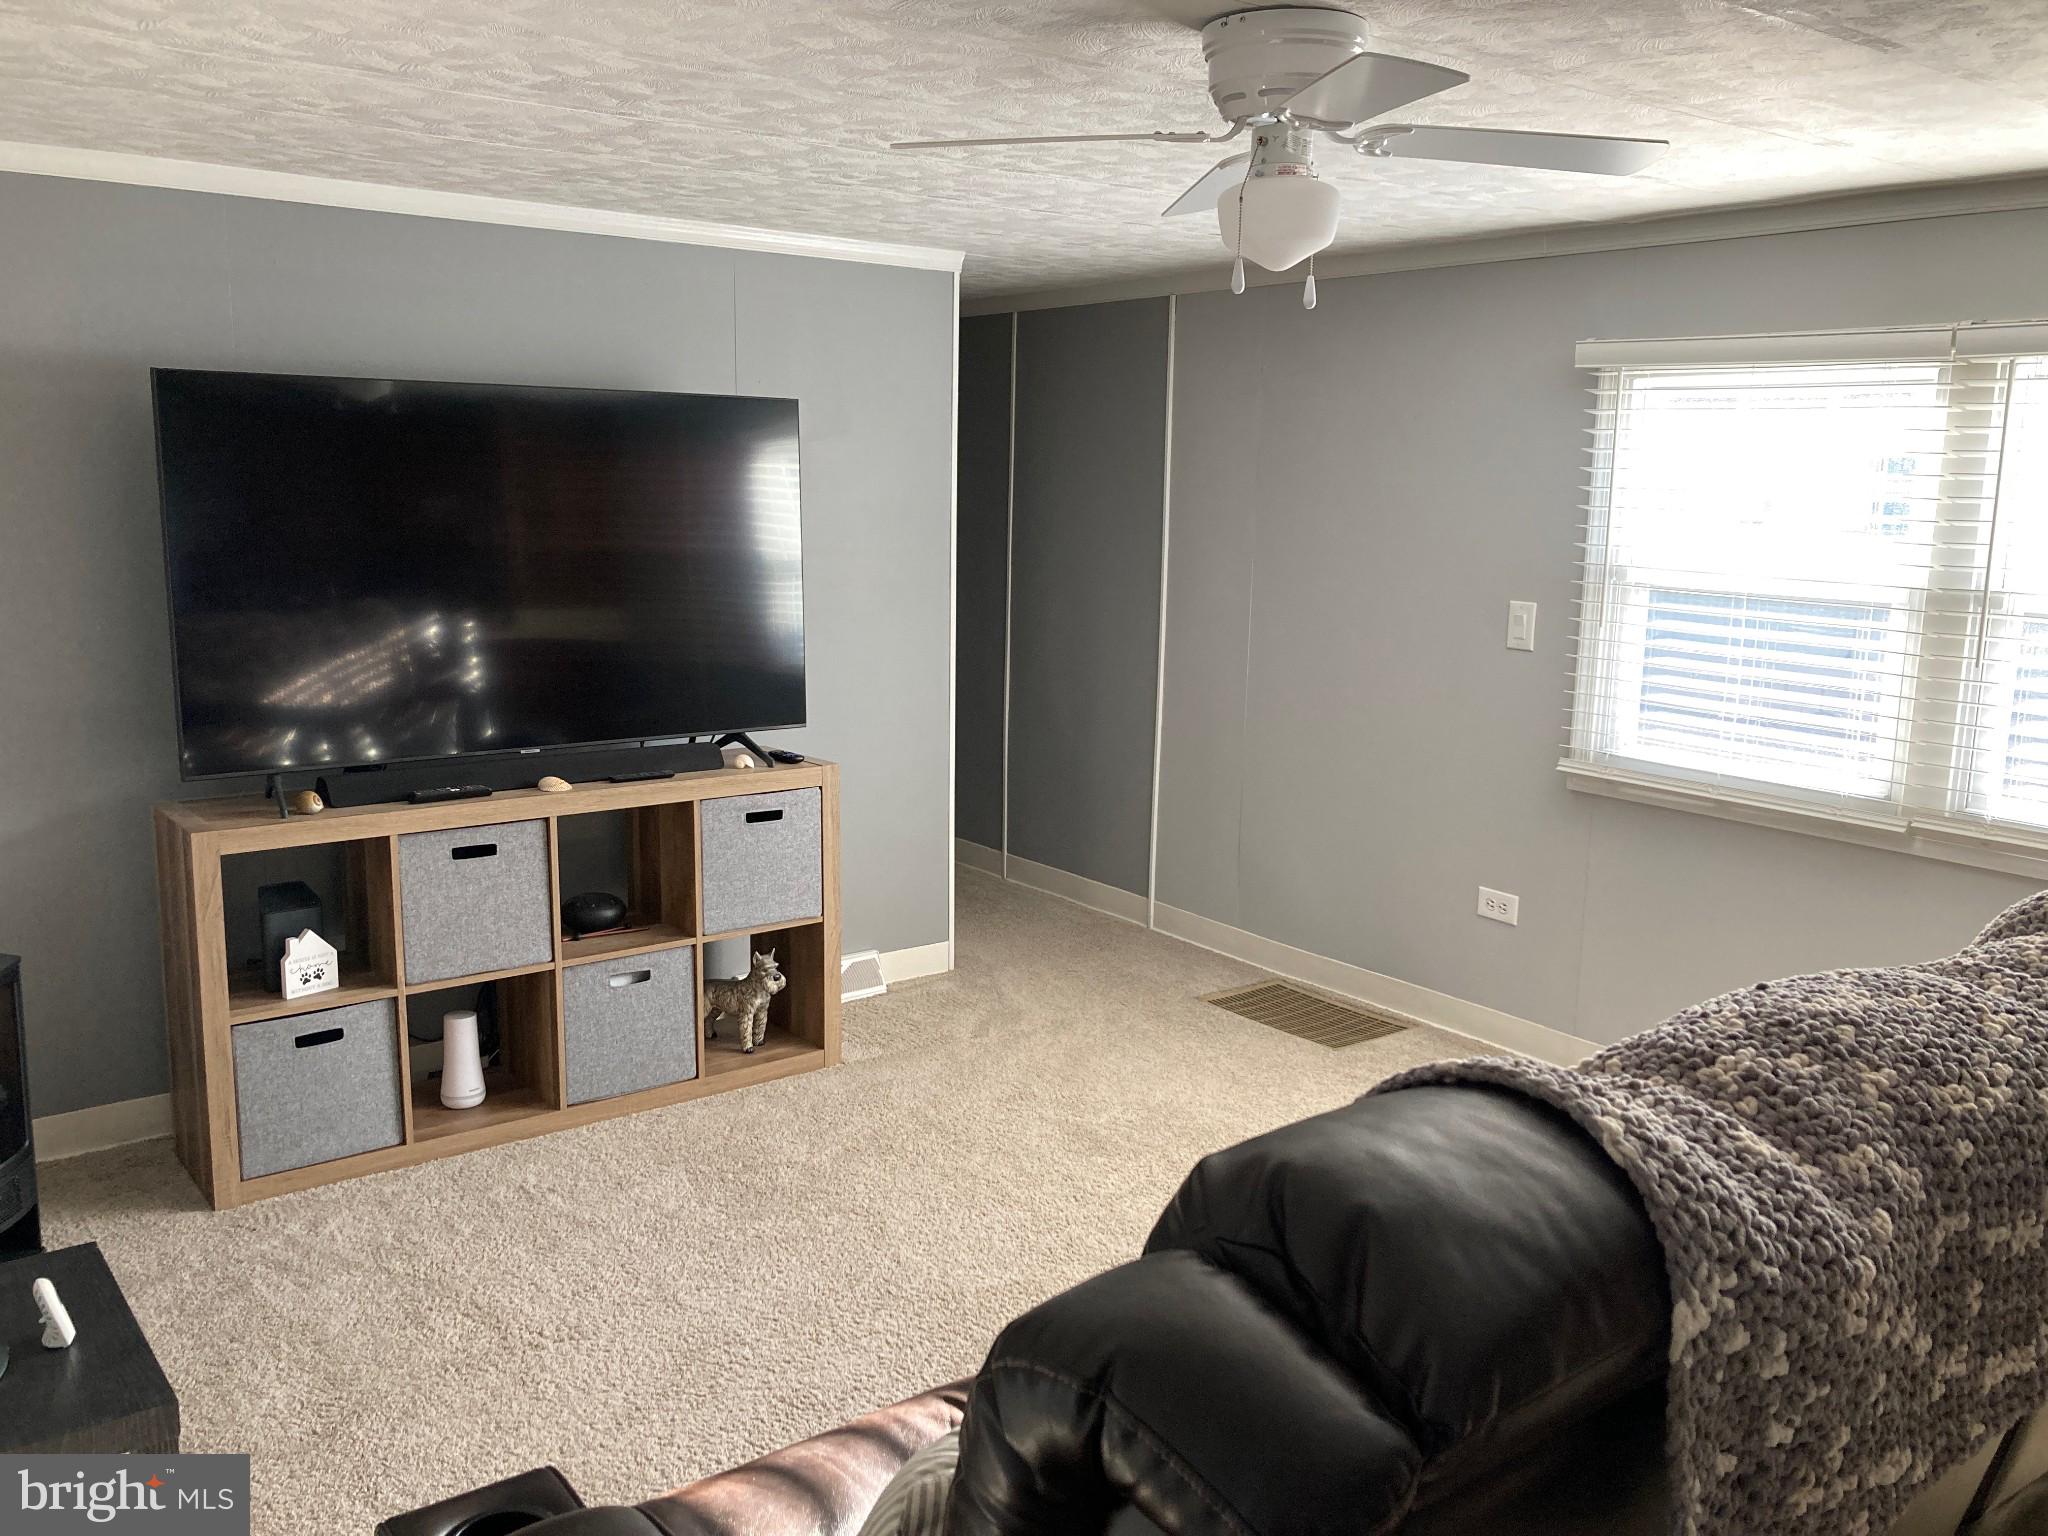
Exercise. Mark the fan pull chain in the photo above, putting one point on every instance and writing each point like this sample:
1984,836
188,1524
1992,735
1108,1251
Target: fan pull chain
1237,267
1308,294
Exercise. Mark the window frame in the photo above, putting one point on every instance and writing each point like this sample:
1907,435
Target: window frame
1941,802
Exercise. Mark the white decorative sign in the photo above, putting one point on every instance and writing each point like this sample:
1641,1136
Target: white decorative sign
310,965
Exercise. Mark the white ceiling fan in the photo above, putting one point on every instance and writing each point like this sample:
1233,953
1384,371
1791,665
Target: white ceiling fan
1286,74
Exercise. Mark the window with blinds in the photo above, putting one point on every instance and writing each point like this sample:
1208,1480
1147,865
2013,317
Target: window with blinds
1816,575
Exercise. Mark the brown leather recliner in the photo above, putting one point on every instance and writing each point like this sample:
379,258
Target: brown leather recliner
1440,1311
1436,1312
823,1486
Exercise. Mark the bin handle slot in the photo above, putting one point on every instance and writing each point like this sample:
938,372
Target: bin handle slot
317,1037
764,816
628,978
474,851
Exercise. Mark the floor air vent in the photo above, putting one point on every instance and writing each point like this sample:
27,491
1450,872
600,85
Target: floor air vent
1307,1015
860,975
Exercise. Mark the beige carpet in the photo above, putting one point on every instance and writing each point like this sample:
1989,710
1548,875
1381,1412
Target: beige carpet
644,1301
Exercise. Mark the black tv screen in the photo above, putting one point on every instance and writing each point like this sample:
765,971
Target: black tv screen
370,571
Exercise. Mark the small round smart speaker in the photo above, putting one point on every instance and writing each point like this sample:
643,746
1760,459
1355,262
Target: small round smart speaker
592,912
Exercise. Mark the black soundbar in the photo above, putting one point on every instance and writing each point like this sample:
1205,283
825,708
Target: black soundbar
434,778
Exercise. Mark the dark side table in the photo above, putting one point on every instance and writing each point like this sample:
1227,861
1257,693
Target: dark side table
106,1392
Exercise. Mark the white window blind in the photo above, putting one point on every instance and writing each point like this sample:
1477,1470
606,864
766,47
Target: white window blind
1816,575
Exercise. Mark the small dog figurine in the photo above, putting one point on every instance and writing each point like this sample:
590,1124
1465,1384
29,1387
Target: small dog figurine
744,999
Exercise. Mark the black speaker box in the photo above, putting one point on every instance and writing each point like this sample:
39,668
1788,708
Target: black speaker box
285,910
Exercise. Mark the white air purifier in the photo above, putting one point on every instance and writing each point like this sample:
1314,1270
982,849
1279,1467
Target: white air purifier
462,1066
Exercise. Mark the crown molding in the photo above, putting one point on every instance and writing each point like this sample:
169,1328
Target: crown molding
469,207
1894,205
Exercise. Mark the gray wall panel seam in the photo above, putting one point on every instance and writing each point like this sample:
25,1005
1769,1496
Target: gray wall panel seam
1165,545
1009,590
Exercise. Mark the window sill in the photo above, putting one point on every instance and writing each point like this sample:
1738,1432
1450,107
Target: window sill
2007,852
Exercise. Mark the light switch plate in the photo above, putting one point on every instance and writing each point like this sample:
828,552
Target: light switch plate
1521,626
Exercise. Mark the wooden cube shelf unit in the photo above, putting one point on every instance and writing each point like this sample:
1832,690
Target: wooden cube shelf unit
207,998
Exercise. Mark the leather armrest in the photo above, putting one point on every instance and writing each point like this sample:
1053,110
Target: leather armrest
823,1486
1169,1386
2024,1514
1468,1252
543,1491
2018,1473
607,1520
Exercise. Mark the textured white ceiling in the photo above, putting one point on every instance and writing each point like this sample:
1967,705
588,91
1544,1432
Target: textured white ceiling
775,112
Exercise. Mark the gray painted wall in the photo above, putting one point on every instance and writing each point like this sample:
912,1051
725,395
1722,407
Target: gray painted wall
984,576
1349,749
1085,542
98,283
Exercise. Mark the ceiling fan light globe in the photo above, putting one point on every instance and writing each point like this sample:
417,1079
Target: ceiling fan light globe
1287,219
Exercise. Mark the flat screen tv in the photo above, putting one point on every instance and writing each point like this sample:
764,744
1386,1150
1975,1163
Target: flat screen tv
380,571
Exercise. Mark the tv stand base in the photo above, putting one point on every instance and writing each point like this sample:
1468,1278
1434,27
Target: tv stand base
742,739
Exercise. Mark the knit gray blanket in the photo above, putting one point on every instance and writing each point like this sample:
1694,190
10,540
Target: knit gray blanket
1849,1175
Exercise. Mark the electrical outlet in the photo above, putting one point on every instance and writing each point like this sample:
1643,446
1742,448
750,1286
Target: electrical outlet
1521,626
1500,906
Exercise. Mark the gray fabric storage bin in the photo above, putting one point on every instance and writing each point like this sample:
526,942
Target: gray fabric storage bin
475,899
762,859
629,1023
317,1086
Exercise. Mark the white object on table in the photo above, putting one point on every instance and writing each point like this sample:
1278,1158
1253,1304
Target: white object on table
57,1329
462,1067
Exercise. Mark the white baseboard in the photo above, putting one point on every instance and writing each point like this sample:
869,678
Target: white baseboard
1439,1010
1108,899
102,1126
922,960
988,860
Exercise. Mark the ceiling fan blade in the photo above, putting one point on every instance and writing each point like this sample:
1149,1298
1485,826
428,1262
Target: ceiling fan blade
1202,196
1368,84
1506,146
1061,138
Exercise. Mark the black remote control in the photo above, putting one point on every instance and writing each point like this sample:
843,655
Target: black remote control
784,755
449,792
635,778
